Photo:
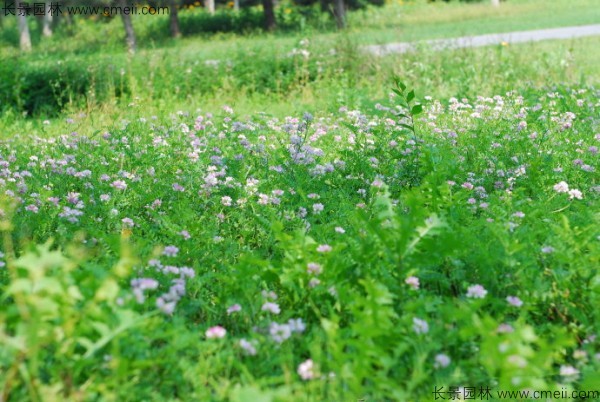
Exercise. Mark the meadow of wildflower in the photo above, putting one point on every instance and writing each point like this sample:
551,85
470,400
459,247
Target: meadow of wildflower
308,224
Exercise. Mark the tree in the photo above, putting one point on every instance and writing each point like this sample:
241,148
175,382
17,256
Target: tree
210,6
129,32
174,19
47,21
339,11
270,22
24,37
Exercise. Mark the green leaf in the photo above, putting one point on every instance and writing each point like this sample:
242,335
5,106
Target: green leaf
400,84
409,127
410,96
400,94
20,286
416,110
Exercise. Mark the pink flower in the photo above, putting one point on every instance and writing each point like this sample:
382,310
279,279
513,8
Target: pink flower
413,282
324,248
574,193
561,187
233,309
314,268
476,292
216,332
505,328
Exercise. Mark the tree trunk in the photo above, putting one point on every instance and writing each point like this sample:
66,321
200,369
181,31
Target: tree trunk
47,23
270,22
129,33
24,38
236,5
174,19
339,10
495,3
210,6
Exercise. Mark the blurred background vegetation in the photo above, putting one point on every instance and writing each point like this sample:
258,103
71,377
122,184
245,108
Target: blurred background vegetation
308,59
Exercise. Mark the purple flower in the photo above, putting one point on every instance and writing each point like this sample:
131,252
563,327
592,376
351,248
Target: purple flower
73,198
166,307
420,326
119,185
514,301
314,268
170,251
178,187
272,308
547,249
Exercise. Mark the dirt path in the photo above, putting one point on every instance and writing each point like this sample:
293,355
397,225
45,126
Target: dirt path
487,40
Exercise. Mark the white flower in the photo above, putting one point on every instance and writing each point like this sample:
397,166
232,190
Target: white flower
574,193
305,370
561,187
441,361
248,347
280,332
420,326
568,371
